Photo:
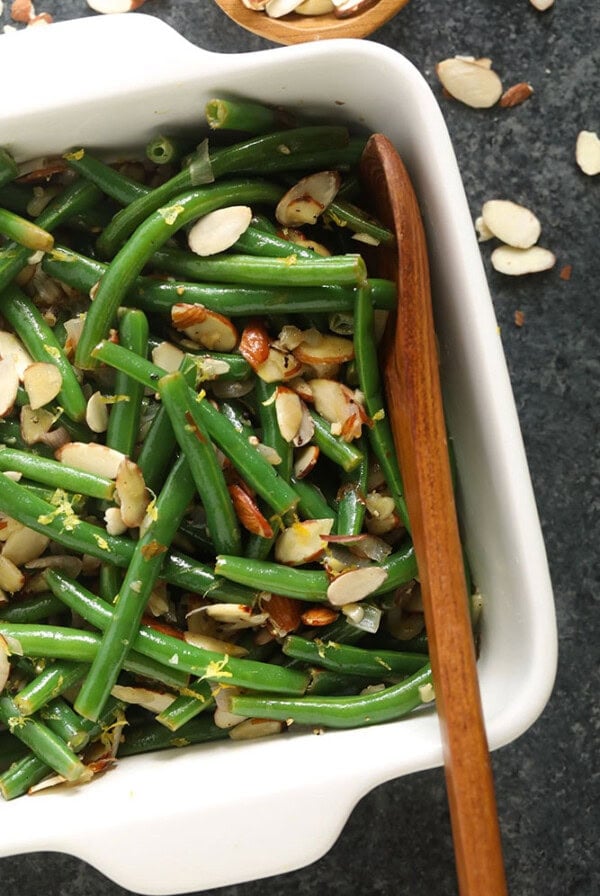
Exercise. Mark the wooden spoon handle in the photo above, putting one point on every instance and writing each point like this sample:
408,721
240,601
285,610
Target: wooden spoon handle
417,420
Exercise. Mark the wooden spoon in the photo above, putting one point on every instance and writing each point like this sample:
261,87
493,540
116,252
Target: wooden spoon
295,29
417,420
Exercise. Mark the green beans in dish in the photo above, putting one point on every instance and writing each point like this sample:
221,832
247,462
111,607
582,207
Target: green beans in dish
203,532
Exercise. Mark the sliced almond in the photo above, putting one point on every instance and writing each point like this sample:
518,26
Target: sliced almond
154,701
211,330
290,337
111,7
11,577
483,231
132,493
96,413
254,344
91,457
587,152
302,542
257,5
279,366
542,5
514,224
314,8
352,586
308,198
24,545
288,410
508,260
236,615
327,349
217,645
9,386
4,663
379,506
470,82
319,616
278,8
114,521
250,729
305,461
516,95
337,404
13,348
284,613
248,512
167,356
219,230
306,429
42,382
346,8
68,563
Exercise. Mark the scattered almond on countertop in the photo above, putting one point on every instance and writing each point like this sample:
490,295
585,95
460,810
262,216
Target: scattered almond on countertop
542,5
512,223
515,95
471,81
515,262
114,6
587,152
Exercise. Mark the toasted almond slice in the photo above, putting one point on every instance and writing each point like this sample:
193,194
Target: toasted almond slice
514,224
154,701
279,366
515,95
483,231
236,615
4,663
288,410
514,262
9,386
96,413
542,5
290,337
284,613
13,349
35,425
8,526
217,645
250,729
278,8
354,585
225,719
167,356
318,616
11,577
379,505
248,513
302,542
382,525
213,331
587,152
470,82
336,403
306,429
329,349
42,382
114,521
73,328
91,457
254,344
305,461
308,198
24,545
132,493
300,239
219,230
299,385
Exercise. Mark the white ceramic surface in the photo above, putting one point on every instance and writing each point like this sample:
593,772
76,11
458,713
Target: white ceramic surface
214,815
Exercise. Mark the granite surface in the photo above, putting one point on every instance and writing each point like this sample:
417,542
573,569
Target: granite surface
398,838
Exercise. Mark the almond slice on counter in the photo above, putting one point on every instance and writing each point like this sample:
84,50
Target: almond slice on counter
9,386
91,458
114,6
542,5
514,262
470,81
514,224
587,152
302,542
308,199
219,230
42,382
483,231
515,95
346,8
352,586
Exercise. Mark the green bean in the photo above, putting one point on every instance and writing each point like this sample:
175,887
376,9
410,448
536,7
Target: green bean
64,527
351,498
166,149
173,652
74,199
151,736
270,153
380,433
63,643
8,167
62,719
11,750
46,745
109,582
312,504
58,475
141,575
243,115
124,419
349,660
53,681
206,472
157,451
39,339
152,233
302,584
339,712
32,609
346,214
196,698
16,197
324,682
113,183
257,241
25,232
345,454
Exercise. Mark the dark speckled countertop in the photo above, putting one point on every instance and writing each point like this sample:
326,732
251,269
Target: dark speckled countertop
398,838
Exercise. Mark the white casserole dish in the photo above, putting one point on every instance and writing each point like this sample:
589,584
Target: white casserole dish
219,814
